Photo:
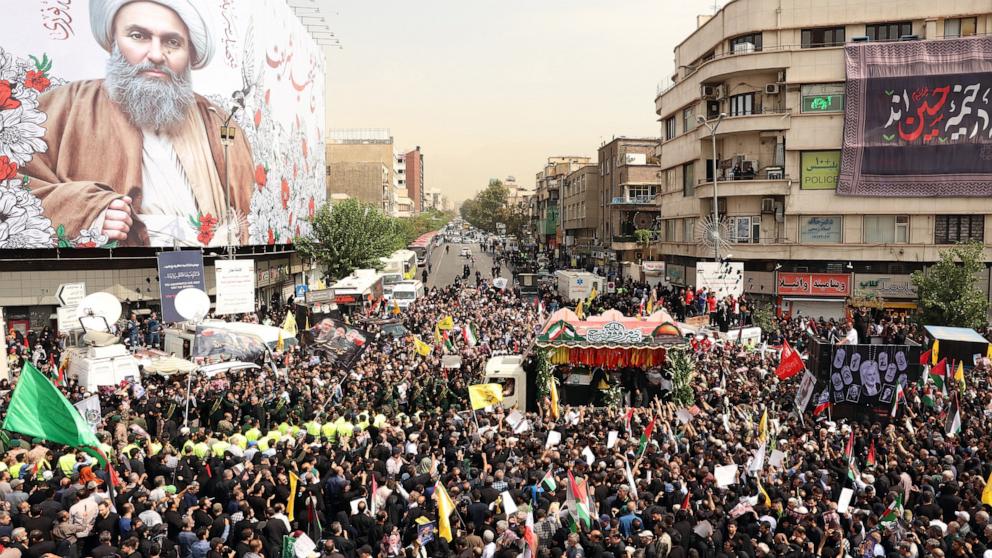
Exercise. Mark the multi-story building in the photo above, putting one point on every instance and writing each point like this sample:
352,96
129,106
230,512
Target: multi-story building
361,163
544,203
580,213
414,161
776,69
628,198
516,193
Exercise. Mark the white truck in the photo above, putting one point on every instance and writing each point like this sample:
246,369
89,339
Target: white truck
101,362
508,371
575,284
406,292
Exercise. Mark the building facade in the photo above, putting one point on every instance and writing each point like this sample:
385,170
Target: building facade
366,182
415,178
361,164
580,213
628,198
544,204
776,69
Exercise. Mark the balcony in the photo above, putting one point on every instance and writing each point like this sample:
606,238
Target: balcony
760,120
756,187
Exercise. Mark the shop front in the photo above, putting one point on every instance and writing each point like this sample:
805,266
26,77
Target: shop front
894,293
814,295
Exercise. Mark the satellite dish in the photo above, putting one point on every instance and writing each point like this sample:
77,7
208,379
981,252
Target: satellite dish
97,311
192,304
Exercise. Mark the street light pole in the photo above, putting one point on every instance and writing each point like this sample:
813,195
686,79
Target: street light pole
226,139
716,216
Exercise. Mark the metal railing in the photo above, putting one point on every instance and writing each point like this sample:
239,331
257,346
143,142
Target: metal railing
634,200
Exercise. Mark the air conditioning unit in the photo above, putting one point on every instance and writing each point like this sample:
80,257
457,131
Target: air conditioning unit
743,48
707,91
771,89
860,39
768,205
719,92
775,173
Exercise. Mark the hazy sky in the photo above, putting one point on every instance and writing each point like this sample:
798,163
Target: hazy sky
490,89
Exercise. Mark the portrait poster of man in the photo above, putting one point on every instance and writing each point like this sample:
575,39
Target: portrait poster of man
158,123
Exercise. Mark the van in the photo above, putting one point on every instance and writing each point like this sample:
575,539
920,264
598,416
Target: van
406,292
103,363
180,341
508,371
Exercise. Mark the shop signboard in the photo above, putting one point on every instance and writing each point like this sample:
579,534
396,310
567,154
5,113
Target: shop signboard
235,286
884,286
813,284
819,170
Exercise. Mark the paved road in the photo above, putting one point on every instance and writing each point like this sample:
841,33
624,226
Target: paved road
447,266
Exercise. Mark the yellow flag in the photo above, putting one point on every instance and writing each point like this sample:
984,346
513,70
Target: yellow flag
592,295
933,352
763,427
988,352
987,493
959,374
423,349
446,323
280,344
444,509
293,479
308,322
651,305
289,324
764,494
396,307
485,395
437,336
578,310
554,399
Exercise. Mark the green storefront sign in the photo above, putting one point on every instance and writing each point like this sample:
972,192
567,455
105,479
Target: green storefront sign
819,170
823,103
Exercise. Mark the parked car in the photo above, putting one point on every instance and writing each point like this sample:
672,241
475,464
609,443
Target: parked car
466,253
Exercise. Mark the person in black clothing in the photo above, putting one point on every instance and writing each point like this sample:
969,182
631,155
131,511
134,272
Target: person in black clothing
104,549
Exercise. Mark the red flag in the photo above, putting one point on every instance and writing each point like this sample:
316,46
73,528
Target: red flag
627,419
821,407
210,473
925,358
871,453
685,501
789,364
849,450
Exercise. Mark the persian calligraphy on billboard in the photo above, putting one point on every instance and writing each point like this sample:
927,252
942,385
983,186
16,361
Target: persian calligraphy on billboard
918,120
145,163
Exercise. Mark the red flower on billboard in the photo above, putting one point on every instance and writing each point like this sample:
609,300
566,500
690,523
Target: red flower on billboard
8,169
284,189
261,176
310,207
271,237
305,150
7,101
267,91
297,229
296,171
258,117
206,225
36,80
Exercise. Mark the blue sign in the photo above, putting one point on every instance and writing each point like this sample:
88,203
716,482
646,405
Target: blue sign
301,291
178,270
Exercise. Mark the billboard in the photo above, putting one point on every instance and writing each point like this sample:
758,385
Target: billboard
178,270
114,117
235,286
813,284
723,278
917,119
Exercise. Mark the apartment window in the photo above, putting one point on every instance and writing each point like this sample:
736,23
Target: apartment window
671,228
670,131
950,229
821,229
689,119
688,180
742,105
746,43
822,97
689,229
886,229
888,31
822,37
641,191
960,27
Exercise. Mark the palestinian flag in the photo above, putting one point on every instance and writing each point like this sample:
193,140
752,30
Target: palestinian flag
852,471
577,501
925,358
449,345
60,379
952,425
871,453
927,397
938,373
626,421
530,537
645,437
470,336
892,513
895,401
849,448
549,481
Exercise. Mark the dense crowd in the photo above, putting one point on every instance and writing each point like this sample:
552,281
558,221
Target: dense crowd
365,446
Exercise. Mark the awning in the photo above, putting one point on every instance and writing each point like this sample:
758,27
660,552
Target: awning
899,304
812,299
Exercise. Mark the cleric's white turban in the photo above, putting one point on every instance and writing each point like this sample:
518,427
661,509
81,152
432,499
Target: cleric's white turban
102,13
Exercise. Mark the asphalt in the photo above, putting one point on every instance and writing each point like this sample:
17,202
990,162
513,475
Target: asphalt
446,266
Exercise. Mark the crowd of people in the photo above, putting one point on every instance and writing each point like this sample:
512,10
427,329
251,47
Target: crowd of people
353,458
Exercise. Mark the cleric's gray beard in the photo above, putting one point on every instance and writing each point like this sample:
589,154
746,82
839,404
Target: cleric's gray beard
151,103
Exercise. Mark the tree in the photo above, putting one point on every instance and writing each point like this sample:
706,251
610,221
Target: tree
351,235
488,207
947,292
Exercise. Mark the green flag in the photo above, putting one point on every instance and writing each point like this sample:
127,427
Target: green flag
38,409
549,481
894,510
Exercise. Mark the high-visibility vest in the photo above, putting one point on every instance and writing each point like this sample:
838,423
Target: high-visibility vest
201,449
253,434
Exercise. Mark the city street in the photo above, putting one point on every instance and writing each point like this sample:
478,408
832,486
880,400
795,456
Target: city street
447,266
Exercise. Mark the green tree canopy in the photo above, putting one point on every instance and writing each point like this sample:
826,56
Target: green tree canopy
491,206
351,235
947,292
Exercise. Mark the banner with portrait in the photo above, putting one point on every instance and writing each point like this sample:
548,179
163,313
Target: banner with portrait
203,123
918,120
339,342
861,380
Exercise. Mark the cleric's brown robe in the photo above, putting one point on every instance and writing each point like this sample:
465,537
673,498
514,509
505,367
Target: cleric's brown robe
94,157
